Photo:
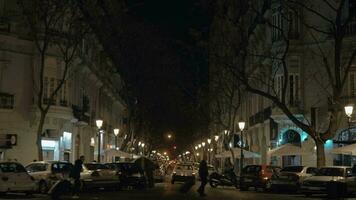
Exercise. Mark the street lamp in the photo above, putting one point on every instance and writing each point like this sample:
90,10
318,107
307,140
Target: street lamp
203,144
99,124
199,145
196,147
349,110
242,127
116,133
216,138
209,141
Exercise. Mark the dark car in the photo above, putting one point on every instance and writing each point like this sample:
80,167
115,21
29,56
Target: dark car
257,176
130,174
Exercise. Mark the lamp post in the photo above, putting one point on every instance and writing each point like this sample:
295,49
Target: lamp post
209,154
116,133
242,127
99,124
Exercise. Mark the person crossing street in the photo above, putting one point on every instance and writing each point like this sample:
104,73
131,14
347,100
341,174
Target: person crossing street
203,174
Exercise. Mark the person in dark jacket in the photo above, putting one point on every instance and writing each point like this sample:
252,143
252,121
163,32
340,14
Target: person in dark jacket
75,174
203,174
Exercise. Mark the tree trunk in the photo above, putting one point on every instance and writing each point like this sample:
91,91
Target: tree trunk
320,153
39,135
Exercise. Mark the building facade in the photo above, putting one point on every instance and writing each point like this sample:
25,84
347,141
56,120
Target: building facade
270,133
89,92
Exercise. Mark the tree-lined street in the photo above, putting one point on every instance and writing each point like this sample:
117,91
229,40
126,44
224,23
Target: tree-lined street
167,191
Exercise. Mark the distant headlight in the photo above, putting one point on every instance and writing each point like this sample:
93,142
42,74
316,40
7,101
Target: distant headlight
137,175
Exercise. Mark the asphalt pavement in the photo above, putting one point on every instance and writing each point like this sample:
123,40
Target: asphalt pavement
168,191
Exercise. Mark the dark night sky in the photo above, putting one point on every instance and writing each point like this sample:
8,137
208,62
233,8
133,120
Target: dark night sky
168,93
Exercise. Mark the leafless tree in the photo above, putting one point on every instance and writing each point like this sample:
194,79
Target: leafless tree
53,26
325,27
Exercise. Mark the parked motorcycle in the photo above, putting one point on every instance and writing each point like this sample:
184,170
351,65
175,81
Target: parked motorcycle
227,179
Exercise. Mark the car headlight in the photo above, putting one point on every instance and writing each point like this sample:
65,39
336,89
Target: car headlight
137,175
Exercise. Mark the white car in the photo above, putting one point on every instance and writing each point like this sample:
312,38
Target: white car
96,175
292,177
336,174
183,172
14,178
47,173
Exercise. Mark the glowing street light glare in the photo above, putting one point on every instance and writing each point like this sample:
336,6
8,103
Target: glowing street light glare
164,153
203,144
216,138
209,141
349,110
99,123
116,131
169,136
199,145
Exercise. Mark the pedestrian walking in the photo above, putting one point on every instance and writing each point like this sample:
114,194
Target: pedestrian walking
203,174
75,174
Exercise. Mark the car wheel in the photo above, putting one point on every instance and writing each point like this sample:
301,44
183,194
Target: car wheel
268,186
213,184
243,188
42,187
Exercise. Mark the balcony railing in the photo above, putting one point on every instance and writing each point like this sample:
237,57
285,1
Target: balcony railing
6,101
260,117
80,114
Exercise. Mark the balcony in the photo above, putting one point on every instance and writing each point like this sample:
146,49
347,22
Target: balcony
6,101
80,114
260,117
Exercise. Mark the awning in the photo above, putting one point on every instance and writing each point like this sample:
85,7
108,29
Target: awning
118,153
286,150
347,150
237,154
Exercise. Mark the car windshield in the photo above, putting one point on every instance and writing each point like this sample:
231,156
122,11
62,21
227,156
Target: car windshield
129,167
184,167
61,167
330,171
95,166
11,167
292,169
252,169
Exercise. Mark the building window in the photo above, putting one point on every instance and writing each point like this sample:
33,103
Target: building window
63,95
294,89
351,27
279,86
352,84
294,24
6,101
277,24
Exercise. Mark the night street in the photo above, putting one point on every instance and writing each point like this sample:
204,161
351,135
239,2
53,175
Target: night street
171,192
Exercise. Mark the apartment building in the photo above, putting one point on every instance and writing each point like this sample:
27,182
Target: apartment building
90,92
270,133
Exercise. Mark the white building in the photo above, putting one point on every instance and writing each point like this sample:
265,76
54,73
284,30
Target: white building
90,92
270,132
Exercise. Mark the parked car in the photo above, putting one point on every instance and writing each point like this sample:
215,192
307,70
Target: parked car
46,173
257,176
336,174
291,177
130,174
183,172
14,178
96,175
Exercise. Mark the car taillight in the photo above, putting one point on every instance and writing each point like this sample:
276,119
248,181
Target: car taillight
4,178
